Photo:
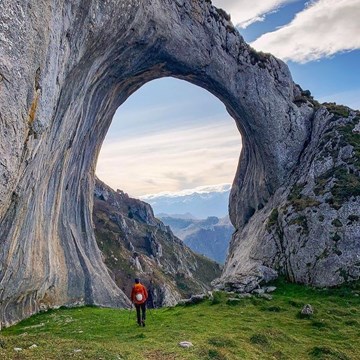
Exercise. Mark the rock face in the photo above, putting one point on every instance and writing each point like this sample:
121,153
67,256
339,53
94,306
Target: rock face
310,229
136,244
65,67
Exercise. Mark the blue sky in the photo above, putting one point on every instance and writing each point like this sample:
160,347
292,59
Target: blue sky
170,135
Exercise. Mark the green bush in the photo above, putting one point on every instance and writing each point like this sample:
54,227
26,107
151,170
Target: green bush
272,220
337,110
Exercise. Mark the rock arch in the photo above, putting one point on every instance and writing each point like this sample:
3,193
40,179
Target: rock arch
65,68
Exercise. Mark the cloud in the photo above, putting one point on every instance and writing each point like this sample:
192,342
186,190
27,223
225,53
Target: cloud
324,28
169,135
219,188
245,12
172,159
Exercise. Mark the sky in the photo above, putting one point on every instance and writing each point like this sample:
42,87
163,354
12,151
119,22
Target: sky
171,135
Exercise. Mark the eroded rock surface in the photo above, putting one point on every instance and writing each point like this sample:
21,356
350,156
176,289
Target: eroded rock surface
66,66
310,229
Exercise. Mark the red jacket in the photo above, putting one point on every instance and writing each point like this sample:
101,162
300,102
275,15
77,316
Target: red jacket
136,290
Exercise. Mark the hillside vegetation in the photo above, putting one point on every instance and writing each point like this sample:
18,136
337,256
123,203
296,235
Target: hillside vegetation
253,328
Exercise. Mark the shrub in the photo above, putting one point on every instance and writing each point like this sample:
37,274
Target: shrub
222,13
217,298
272,220
298,201
258,57
337,110
345,186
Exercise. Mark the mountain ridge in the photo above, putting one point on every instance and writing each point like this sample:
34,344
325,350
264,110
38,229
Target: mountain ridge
200,204
209,237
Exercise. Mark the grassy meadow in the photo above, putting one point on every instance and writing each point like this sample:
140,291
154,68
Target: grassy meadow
253,328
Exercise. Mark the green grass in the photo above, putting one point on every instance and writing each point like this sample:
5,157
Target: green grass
249,329
340,111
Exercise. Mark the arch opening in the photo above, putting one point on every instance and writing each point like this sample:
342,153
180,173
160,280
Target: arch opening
174,146
167,125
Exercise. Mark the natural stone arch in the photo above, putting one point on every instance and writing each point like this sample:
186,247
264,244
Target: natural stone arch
75,63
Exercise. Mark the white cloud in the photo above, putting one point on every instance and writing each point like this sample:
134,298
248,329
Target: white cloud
172,159
219,188
324,28
244,12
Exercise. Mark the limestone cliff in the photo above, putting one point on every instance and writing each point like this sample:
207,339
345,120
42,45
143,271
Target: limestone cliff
66,66
310,229
136,244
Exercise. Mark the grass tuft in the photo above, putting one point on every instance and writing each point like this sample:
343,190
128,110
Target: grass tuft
272,308
323,352
296,304
319,324
222,342
218,298
215,354
260,339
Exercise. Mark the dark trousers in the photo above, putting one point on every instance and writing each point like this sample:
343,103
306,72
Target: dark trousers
143,310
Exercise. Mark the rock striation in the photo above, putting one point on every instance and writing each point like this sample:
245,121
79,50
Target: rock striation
309,230
66,66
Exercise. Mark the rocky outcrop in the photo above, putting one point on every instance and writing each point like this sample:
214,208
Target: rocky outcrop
65,67
310,229
136,244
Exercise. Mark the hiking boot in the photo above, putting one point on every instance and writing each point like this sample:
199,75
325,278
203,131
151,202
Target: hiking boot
143,323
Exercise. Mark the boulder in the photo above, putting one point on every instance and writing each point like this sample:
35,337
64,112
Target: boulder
258,291
307,310
269,289
185,344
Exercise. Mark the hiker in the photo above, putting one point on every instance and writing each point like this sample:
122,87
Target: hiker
139,296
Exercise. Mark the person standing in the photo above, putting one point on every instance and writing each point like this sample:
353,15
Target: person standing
139,296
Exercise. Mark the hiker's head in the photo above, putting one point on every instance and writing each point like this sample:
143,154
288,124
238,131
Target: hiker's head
137,280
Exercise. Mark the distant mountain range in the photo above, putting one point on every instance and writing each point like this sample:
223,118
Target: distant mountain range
200,202
209,237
